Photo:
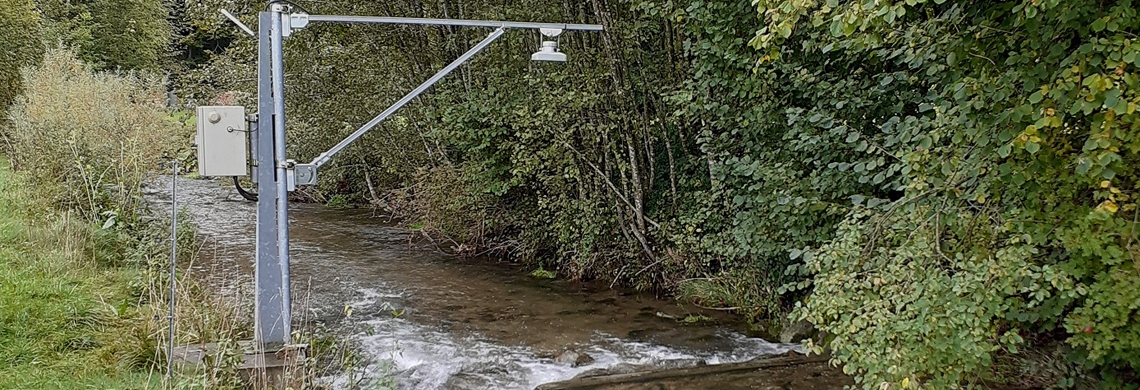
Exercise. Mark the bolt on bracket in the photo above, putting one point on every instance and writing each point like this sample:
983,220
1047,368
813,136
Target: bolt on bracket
306,174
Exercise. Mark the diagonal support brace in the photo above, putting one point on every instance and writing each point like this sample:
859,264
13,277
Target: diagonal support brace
324,158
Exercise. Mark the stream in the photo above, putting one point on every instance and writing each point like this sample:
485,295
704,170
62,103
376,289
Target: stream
424,319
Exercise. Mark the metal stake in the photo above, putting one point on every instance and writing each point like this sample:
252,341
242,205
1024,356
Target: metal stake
173,268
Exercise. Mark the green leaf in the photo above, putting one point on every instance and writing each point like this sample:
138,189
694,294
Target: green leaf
1032,147
1003,151
1108,173
1083,166
1098,25
852,137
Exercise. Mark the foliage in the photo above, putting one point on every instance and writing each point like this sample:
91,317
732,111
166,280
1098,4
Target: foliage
67,321
110,34
20,32
939,184
89,140
999,141
84,143
543,274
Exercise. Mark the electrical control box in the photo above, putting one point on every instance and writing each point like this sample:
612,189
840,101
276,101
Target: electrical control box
222,138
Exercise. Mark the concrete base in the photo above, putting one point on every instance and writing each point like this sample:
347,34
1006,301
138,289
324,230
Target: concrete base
275,368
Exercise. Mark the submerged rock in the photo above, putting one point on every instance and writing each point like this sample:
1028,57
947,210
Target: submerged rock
573,359
796,332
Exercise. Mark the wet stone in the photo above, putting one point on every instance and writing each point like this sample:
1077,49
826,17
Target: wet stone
796,332
573,359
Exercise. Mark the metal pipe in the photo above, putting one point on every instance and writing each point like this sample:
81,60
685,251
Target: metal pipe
278,75
452,22
267,300
324,158
173,269
240,25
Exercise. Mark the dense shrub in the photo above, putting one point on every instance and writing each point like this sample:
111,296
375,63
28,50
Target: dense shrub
90,139
991,152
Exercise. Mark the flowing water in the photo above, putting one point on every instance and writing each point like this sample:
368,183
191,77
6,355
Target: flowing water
427,320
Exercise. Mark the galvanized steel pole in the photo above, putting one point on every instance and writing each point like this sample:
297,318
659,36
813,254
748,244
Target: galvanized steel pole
452,22
268,304
173,268
282,172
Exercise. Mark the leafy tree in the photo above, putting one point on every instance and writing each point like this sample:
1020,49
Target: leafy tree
110,34
20,36
935,185
1011,133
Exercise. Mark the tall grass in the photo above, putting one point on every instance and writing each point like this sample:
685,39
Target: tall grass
65,321
83,285
90,139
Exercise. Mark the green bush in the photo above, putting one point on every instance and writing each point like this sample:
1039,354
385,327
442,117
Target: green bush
991,159
942,184
88,139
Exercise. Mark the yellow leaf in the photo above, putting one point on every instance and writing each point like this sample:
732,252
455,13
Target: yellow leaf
1108,206
906,383
1105,184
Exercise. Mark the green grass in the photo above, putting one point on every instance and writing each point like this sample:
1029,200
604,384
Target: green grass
64,318
543,274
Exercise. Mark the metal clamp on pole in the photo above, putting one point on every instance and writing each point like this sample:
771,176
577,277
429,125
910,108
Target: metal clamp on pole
305,174
251,124
291,175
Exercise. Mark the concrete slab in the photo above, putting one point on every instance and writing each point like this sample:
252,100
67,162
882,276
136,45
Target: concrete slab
276,368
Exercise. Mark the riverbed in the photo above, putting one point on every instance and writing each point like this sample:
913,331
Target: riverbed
425,319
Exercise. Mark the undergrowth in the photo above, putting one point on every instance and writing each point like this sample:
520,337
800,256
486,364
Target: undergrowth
83,262
67,320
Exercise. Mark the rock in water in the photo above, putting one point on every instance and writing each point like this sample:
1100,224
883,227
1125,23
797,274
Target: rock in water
583,359
796,331
573,359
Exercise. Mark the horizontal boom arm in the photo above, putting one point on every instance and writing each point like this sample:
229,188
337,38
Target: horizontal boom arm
451,22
